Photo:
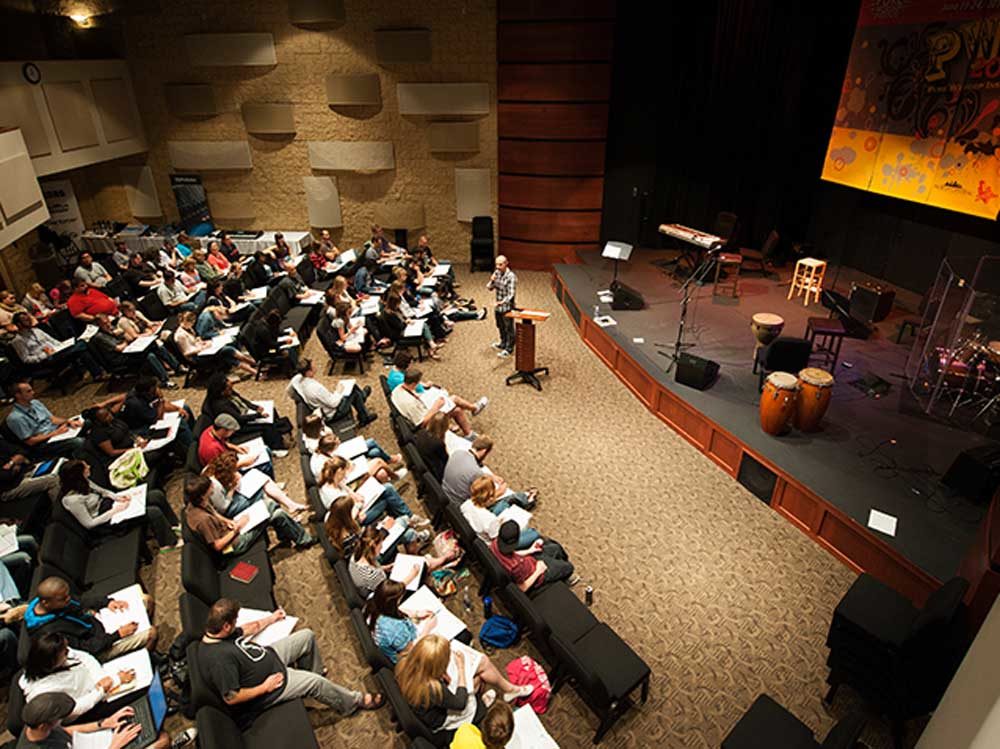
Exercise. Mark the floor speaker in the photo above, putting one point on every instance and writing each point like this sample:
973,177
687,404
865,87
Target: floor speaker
696,372
975,473
625,297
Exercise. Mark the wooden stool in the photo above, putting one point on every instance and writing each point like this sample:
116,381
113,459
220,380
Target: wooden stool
827,335
731,283
808,278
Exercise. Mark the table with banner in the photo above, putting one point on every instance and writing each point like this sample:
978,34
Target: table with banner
99,243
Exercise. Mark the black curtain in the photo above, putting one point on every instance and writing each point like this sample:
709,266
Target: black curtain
722,105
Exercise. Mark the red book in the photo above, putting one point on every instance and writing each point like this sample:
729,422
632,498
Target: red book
244,572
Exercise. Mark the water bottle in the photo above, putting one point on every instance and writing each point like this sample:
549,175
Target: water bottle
487,607
466,600
588,595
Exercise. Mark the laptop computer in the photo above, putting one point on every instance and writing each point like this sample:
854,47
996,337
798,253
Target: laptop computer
150,712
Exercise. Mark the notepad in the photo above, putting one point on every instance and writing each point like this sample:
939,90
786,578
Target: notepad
441,269
518,514
344,387
8,540
472,659
256,514
136,611
312,297
273,632
140,344
529,733
257,447
69,433
403,565
432,394
414,329
137,661
252,482
352,448
62,346
448,625
136,507
369,307
370,491
882,522
605,321
268,417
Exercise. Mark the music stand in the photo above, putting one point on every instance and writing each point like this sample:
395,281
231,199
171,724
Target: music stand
616,251
524,358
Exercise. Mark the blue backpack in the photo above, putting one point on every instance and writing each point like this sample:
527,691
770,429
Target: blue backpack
499,632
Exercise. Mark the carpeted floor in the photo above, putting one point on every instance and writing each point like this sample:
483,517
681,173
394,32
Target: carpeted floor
720,595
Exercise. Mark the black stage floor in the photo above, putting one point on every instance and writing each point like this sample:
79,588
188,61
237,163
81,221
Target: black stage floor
850,463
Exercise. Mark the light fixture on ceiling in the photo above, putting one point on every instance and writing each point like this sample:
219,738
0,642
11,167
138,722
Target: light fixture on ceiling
80,19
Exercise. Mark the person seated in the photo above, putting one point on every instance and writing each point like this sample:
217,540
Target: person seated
465,466
93,506
112,349
206,271
250,678
393,322
16,479
367,570
221,398
344,523
494,732
177,298
407,400
53,666
430,444
265,336
215,440
226,536
91,271
9,309
60,293
43,728
525,570
365,281
217,260
190,344
53,609
225,476
33,424
120,255
379,248
482,510
145,405
410,305
443,703
281,251
140,275
381,465
334,404
228,247
167,255
86,302
338,293
187,274
37,303
111,436
332,484
346,329
323,251
233,310
132,323
34,346
211,320
16,571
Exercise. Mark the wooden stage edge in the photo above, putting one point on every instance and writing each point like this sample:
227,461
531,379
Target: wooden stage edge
844,538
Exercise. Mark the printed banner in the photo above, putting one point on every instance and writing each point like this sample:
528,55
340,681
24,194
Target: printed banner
919,112
192,203
64,211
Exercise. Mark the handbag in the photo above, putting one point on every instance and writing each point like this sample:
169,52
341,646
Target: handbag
499,632
525,670
128,469
445,544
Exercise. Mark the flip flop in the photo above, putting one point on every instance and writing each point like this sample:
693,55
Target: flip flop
371,701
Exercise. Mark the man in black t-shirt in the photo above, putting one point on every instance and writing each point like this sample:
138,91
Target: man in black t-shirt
250,678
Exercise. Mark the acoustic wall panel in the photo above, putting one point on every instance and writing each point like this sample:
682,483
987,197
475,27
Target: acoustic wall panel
443,98
231,50
115,108
394,46
317,14
400,215
69,107
201,155
269,119
22,207
353,89
472,193
190,99
18,110
140,190
323,200
453,137
351,155
232,206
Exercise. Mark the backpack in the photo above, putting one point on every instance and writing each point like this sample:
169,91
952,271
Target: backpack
499,632
525,670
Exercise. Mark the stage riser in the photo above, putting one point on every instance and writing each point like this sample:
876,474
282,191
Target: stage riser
841,536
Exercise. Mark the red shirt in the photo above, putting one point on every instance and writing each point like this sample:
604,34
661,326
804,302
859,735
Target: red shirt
94,302
520,568
209,446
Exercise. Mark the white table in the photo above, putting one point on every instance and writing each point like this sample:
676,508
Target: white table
297,242
102,244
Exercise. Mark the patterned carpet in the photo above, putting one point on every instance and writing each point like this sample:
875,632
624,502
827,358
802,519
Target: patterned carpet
722,597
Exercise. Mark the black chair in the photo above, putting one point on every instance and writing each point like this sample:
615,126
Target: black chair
767,723
552,608
434,497
205,574
760,258
494,574
351,593
285,724
372,653
785,354
453,514
100,568
194,612
900,659
384,382
153,307
481,245
330,342
726,227
308,275
605,671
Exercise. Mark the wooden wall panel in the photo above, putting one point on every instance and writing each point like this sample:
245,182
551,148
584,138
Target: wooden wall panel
798,506
600,342
569,158
555,41
552,121
638,381
690,424
557,226
725,451
566,193
541,255
534,10
567,82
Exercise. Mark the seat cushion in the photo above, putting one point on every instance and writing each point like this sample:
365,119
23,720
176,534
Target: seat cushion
564,614
114,557
216,728
285,724
602,652
767,723
258,593
874,611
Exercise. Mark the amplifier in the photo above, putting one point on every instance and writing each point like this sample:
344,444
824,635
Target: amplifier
870,302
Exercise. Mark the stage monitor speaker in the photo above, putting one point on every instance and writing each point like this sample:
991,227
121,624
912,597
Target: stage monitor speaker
696,372
975,473
870,302
757,477
625,297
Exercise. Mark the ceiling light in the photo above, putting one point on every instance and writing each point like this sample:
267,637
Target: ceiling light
80,19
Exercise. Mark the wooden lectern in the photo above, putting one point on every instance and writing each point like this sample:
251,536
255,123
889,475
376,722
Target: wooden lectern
524,355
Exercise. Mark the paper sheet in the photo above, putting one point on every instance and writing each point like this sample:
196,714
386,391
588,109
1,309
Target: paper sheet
137,661
268,417
441,269
252,482
69,433
357,469
93,739
352,448
882,522
256,514
63,345
448,625
371,490
256,447
397,530
136,506
518,514
272,633
256,295
432,394
605,321
140,344
312,297
414,329
171,422
454,443
8,539
403,565
472,659
369,307
529,733
344,387
136,611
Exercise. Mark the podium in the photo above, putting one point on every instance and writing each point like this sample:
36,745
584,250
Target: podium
524,346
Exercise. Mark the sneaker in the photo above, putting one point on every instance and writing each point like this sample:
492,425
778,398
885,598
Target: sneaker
497,345
522,692
401,473
279,453
504,353
170,385
423,536
573,580
489,697
184,738
480,405
305,543
482,314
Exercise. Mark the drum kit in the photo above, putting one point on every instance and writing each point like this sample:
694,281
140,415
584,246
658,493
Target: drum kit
970,374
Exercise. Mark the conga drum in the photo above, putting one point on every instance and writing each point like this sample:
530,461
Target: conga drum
766,327
815,390
777,402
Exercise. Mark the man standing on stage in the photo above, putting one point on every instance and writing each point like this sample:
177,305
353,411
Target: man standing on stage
504,283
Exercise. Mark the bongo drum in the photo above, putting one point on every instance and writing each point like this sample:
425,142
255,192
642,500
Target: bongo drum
815,390
766,327
777,402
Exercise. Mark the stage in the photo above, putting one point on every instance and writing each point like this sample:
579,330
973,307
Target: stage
826,482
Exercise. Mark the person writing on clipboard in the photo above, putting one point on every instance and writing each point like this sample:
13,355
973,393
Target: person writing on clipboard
504,283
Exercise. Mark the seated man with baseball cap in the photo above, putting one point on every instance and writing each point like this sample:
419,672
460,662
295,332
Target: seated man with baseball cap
527,571
43,727
217,440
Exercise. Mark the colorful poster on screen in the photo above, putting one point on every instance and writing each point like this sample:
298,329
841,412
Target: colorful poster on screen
919,112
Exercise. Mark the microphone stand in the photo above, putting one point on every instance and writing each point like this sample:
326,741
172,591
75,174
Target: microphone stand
699,273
